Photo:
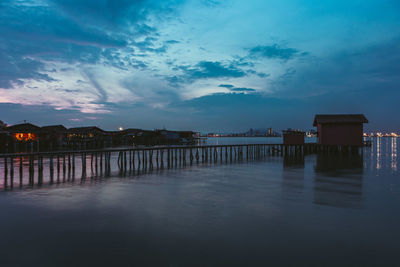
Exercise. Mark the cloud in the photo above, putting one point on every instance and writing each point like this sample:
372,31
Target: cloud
111,14
373,68
232,88
101,92
14,69
275,52
226,85
243,90
76,32
213,69
206,70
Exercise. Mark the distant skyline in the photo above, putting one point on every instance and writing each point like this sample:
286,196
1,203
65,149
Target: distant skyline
206,65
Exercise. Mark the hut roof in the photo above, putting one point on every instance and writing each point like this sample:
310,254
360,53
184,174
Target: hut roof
23,127
55,128
339,118
84,129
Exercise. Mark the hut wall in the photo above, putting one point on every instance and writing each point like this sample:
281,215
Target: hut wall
346,134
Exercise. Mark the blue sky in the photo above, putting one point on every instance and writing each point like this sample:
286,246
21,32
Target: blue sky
205,65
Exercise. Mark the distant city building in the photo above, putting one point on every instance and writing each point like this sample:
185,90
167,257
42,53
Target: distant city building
269,132
340,129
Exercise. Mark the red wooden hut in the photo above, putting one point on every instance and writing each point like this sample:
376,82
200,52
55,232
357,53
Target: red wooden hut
340,129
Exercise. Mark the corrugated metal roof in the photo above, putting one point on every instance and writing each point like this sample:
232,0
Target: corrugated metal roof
339,118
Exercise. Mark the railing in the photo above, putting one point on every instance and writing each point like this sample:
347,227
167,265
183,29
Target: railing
53,165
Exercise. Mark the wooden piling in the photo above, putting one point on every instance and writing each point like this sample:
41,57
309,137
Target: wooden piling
101,163
21,171
12,168
51,166
162,158
5,168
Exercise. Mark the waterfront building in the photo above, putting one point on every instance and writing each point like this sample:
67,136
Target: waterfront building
85,137
52,136
4,140
125,137
340,129
24,136
24,132
29,137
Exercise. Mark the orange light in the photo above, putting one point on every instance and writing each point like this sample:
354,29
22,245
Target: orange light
25,136
19,136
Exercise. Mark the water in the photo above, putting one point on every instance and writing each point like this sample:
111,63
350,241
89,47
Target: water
315,211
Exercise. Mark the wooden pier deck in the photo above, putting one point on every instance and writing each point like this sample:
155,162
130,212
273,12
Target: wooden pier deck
129,160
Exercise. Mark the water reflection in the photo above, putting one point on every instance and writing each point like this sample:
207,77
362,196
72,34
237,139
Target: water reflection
394,154
338,180
378,152
292,175
293,161
383,154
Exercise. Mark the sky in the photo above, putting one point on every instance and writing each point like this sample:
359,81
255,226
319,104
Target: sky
206,65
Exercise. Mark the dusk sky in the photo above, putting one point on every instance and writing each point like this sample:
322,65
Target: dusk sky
199,65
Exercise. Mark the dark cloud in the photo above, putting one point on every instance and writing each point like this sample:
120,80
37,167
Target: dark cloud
237,89
75,32
106,12
206,70
262,75
13,69
242,90
172,42
213,69
149,45
275,52
373,69
259,74
226,85
111,13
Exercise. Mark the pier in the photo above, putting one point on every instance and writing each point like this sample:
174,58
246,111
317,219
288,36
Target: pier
67,165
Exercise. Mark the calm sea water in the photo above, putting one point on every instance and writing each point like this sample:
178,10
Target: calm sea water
312,211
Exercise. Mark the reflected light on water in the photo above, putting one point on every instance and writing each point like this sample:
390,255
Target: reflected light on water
394,154
378,152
